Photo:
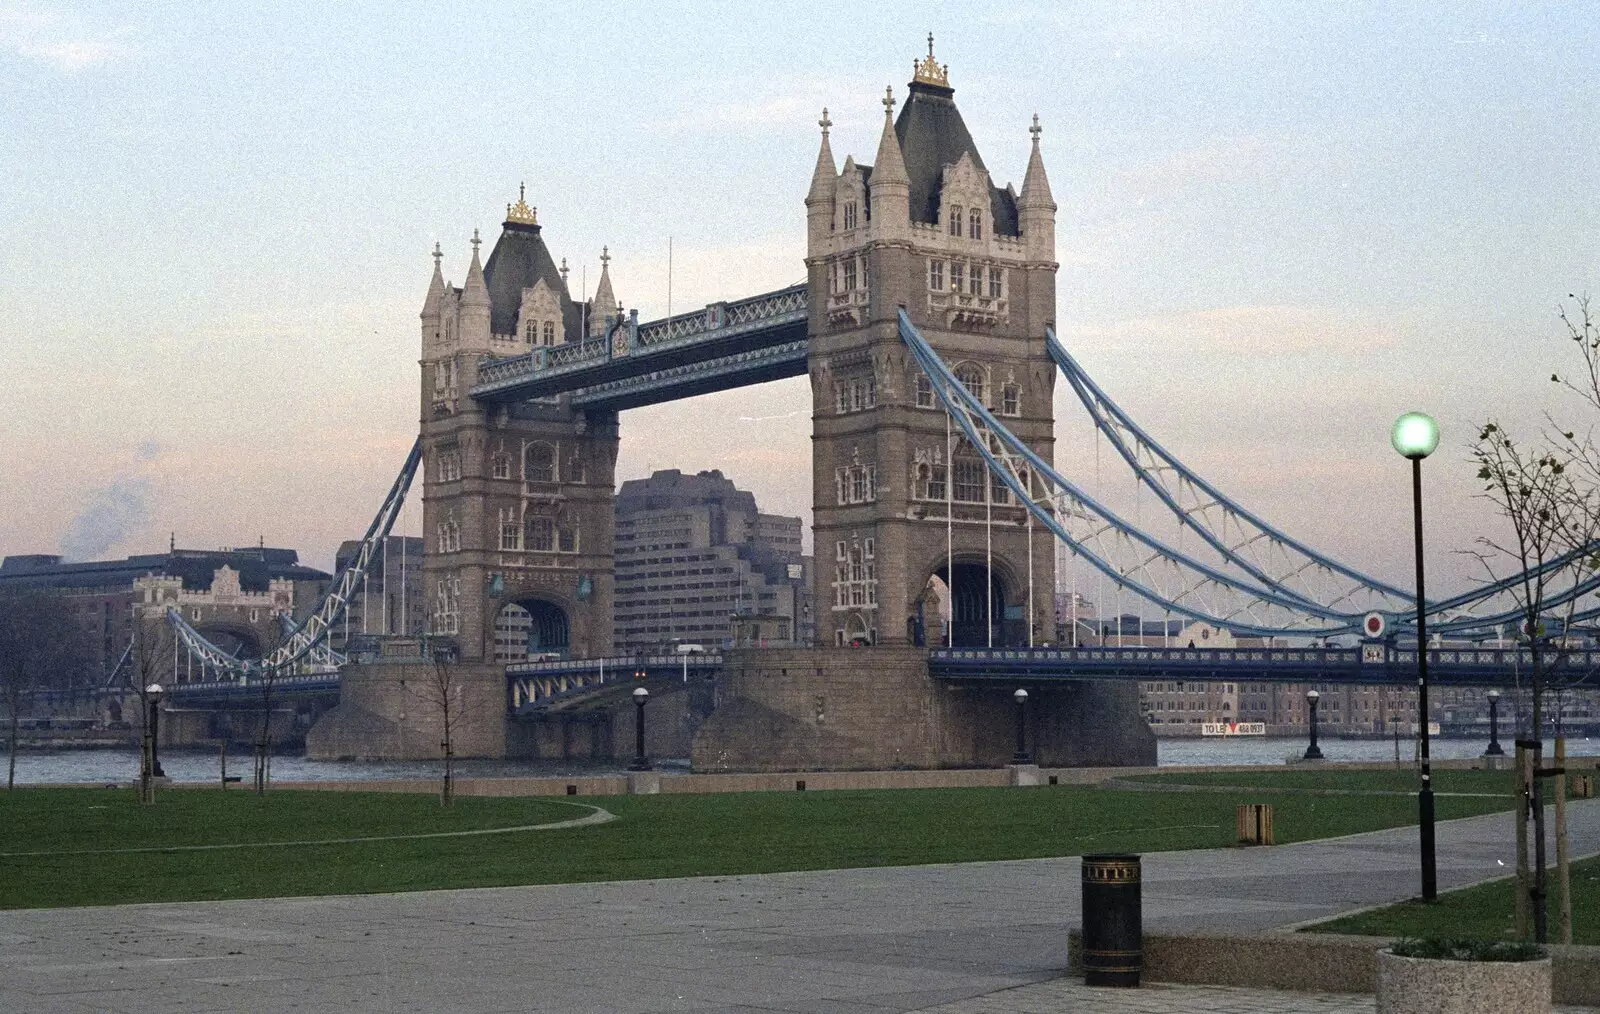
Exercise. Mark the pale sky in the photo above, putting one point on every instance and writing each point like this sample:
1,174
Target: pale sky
1280,227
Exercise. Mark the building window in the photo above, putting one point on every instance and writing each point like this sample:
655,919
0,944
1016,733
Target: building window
975,280
841,393
969,475
549,332
971,377
500,466
449,537
567,538
957,276
541,535
856,484
449,465
1011,400
936,275
955,220
849,215
975,224
573,472
510,535
997,282
936,483
999,492
924,391
539,463
850,275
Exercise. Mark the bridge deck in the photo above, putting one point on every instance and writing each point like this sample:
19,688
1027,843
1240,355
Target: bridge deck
726,345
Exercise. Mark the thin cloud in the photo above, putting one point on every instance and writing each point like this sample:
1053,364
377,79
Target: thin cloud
48,38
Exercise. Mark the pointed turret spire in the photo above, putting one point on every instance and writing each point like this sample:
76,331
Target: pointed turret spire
1035,185
822,178
604,303
891,165
475,292
430,306
1036,208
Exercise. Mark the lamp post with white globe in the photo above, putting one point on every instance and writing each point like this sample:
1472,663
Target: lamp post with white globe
1415,436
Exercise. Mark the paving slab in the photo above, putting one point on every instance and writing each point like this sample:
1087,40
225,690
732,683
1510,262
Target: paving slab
895,939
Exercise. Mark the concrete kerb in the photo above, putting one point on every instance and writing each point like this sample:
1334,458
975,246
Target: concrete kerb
1311,962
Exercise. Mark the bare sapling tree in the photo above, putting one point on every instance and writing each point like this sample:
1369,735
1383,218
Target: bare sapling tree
440,690
41,648
152,658
265,678
1548,493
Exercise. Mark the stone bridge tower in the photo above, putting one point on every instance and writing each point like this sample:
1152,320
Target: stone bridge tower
905,509
516,498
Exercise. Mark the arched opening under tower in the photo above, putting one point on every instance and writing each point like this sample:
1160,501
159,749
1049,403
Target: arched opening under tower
978,620
238,640
529,628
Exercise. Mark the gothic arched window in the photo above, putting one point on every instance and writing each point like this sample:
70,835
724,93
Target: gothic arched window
924,391
971,377
955,220
541,535
1011,400
975,224
539,463
969,474
500,466
549,332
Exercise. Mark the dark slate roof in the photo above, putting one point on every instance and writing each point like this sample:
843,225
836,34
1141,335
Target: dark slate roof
256,567
932,135
519,259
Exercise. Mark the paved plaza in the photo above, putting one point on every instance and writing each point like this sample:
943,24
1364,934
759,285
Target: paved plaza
978,938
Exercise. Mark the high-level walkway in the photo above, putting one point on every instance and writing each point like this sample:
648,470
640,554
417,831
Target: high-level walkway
960,939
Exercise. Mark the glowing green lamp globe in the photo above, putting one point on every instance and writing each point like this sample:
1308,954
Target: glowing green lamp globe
1414,435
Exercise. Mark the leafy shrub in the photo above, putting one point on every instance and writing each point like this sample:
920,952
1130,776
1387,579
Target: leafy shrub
1461,949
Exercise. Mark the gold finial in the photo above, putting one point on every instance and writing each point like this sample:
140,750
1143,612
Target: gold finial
929,72
520,212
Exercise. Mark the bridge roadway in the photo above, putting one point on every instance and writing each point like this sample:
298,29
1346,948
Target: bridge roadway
534,686
726,345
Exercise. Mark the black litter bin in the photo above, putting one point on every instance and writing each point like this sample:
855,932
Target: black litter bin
1113,931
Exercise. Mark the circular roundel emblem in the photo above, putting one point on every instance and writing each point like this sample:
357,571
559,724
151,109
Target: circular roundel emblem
1373,625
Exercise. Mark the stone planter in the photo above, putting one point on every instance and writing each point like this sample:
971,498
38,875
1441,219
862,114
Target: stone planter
1436,986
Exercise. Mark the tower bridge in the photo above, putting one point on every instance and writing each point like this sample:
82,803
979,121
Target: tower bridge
926,327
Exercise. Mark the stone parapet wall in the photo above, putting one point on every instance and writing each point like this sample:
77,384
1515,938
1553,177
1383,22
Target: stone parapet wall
390,711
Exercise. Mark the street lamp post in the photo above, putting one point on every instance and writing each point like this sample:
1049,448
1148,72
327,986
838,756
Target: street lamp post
1313,752
154,693
1021,756
1415,436
1495,749
640,761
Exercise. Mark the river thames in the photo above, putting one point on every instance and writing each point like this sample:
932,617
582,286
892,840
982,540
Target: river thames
46,767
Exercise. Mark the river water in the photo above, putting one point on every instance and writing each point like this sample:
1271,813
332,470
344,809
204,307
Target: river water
105,766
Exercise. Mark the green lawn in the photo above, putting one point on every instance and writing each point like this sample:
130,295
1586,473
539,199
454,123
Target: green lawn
656,836
1406,780
1485,912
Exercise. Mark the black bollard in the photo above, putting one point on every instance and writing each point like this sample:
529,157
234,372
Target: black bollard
1113,921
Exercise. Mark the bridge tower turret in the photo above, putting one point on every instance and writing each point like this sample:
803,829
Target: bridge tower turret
909,527
516,498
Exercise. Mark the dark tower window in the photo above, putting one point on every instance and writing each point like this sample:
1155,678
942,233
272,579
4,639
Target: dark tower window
936,275
971,378
924,391
539,463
